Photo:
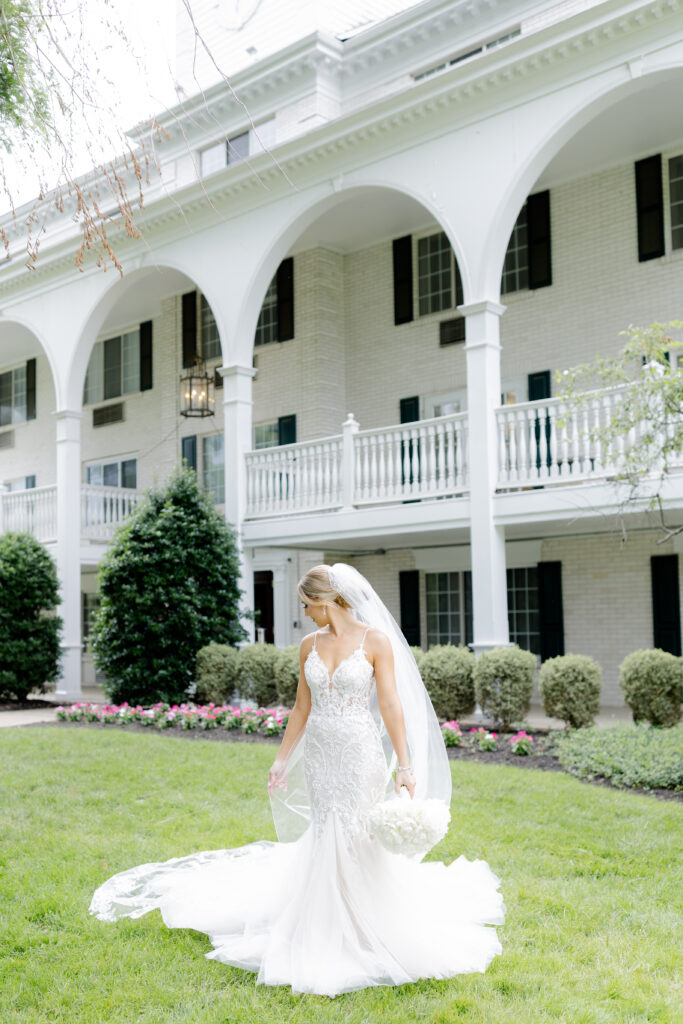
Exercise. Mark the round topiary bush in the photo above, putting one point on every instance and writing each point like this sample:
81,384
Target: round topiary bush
29,629
169,585
287,674
652,684
503,683
447,672
256,674
216,673
570,688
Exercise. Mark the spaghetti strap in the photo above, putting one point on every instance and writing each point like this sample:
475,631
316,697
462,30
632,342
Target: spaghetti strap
364,636
315,637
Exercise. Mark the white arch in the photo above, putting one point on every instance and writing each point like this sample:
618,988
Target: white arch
27,323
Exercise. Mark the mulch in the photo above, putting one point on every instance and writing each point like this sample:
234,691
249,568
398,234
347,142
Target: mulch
540,759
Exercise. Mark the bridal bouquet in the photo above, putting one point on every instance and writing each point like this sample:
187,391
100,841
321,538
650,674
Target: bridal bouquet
409,826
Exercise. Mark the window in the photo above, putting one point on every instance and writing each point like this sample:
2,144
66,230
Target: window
114,368
266,435
266,328
13,396
434,273
211,345
523,608
91,604
213,467
237,148
516,265
676,201
470,52
116,473
449,607
22,483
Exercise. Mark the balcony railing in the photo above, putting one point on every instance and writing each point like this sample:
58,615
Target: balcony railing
384,465
35,511
550,443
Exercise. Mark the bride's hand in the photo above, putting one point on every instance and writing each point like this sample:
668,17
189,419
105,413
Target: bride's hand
405,777
277,776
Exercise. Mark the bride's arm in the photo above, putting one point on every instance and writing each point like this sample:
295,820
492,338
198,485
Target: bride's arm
390,706
296,722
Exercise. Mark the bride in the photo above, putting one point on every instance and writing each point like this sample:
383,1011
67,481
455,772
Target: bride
328,908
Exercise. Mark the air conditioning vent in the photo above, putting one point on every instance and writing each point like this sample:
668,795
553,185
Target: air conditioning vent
452,331
107,414
7,439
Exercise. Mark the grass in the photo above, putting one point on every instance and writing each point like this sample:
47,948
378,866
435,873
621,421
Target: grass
632,755
589,876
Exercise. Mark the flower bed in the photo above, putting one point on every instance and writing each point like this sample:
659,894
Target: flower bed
266,721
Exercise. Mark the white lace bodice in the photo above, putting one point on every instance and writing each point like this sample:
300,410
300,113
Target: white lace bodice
347,690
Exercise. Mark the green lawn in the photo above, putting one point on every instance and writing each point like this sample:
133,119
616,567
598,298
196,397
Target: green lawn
589,875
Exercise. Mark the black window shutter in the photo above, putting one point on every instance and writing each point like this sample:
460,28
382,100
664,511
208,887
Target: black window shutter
538,240
666,611
112,368
650,208
459,294
146,355
539,385
286,429
189,450
30,482
409,587
410,411
285,300
403,279
551,618
30,389
189,328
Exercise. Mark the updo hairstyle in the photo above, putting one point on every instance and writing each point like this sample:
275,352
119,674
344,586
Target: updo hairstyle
314,587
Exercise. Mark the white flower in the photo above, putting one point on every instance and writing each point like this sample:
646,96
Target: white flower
409,826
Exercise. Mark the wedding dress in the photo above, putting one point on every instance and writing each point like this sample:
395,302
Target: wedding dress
334,910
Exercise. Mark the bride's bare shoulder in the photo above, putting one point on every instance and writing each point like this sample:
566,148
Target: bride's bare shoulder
377,641
306,645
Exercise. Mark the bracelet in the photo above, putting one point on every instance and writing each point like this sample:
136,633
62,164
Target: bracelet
403,768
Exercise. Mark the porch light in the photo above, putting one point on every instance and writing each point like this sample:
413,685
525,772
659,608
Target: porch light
197,391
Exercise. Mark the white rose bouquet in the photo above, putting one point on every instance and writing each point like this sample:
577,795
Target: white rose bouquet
409,826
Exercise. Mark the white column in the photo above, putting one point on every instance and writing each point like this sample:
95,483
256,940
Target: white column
489,582
237,440
69,550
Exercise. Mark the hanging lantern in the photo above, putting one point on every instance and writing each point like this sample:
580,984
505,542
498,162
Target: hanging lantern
197,391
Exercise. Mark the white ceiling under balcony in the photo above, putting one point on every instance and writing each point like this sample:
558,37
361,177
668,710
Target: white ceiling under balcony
367,217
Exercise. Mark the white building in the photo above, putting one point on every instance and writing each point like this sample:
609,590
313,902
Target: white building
416,224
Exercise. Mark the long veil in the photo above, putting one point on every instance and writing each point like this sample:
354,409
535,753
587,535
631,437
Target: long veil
291,806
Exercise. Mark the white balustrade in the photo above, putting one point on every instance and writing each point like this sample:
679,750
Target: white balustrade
103,509
548,442
295,477
30,511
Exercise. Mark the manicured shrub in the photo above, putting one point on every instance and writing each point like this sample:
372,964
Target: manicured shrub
628,755
168,587
287,674
447,673
418,654
29,629
256,674
216,673
503,682
652,684
570,688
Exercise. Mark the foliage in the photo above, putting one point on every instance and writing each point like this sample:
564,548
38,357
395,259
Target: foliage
644,433
29,629
180,716
484,739
588,877
216,673
447,672
521,743
418,654
652,684
287,671
168,587
570,688
503,682
632,755
256,674
23,99
452,733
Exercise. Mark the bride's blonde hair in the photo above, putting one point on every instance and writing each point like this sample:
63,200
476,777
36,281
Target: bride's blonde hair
314,586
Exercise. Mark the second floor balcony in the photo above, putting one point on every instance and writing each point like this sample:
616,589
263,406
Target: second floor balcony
102,510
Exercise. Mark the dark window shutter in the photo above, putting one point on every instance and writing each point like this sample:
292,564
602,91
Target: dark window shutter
403,279
409,586
666,611
146,356
286,429
551,618
539,385
538,240
285,300
112,368
129,473
469,607
189,328
189,450
410,411
538,389
30,482
459,293
5,398
30,389
650,208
